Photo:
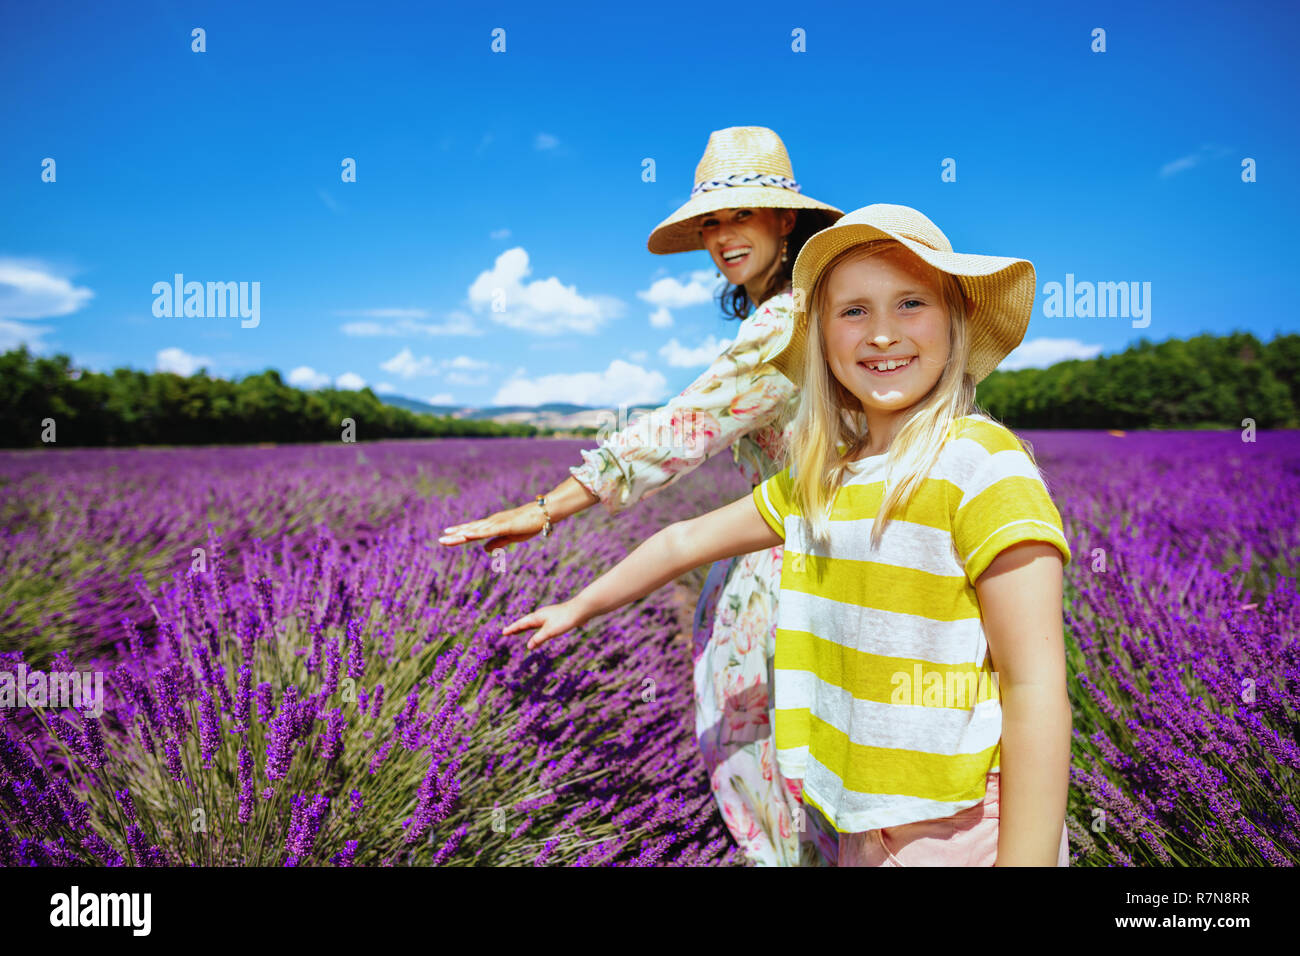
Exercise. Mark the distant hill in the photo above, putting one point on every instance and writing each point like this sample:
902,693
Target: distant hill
560,416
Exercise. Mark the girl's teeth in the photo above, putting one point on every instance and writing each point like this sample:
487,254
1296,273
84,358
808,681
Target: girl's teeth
888,366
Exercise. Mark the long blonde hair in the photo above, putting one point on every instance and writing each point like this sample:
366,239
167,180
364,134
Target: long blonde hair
829,414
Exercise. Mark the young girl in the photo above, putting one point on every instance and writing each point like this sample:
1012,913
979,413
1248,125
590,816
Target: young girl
919,647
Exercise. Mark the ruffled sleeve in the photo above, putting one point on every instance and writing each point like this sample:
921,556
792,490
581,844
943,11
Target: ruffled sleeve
737,394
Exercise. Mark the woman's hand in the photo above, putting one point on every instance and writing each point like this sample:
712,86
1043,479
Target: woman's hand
553,619
505,527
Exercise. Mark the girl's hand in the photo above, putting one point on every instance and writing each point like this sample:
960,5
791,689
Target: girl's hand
505,527
554,620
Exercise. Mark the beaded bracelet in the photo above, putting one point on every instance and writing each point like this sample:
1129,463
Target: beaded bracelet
541,503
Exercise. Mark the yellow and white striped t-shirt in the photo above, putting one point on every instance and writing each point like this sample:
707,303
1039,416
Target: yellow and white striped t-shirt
886,705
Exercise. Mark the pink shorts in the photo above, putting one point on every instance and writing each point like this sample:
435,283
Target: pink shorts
967,838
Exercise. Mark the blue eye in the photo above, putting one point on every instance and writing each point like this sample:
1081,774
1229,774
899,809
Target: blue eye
851,309
917,301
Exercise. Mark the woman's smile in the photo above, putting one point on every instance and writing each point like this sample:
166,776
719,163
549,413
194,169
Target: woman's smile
735,256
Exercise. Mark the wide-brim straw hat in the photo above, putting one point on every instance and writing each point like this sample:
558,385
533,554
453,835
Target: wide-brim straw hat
743,166
999,291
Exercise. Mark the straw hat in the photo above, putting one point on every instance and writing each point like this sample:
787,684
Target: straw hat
1000,292
743,166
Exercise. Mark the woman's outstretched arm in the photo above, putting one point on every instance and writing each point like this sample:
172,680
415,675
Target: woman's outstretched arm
519,524
733,529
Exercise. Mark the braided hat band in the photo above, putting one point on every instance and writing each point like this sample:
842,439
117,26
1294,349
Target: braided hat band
747,179
743,167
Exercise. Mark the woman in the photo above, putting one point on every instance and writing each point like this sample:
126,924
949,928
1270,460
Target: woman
748,213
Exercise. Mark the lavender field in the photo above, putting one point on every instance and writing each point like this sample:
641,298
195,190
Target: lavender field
297,673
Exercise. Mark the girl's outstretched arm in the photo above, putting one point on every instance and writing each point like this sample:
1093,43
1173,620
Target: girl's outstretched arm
1020,596
733,529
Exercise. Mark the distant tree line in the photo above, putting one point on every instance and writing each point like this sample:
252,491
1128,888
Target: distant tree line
1203,382
1210,381
129,407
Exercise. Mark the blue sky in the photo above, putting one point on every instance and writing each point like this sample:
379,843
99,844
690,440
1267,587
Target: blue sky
523,169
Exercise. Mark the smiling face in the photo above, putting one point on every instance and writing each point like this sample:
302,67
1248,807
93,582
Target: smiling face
746,243
888,306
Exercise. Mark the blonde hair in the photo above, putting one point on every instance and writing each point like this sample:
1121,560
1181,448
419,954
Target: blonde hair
829,414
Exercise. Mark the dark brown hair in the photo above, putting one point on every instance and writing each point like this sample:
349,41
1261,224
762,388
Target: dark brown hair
733,299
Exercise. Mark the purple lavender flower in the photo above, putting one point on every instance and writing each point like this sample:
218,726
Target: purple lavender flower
146,738
102,849
356,652
345,856
304,825
333,660
332,738
174,715
266,601
265,702
247,640
279,747
172,641
317,643
139,844
245,784
68,735
134,642
243,699
173,759
126,803
447,849
209,727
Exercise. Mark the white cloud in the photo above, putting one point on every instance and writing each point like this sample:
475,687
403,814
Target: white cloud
383,388
442,398
460,378
386,313
543,306
679,356
181,362
1040,353
304,376
350,381
671,293
1193,159
1178,165
405,364
30,290
696,288
14,334
546,141
499,234
638,356
458,323
620,382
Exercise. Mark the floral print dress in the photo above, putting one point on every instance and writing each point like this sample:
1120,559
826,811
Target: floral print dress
744,403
